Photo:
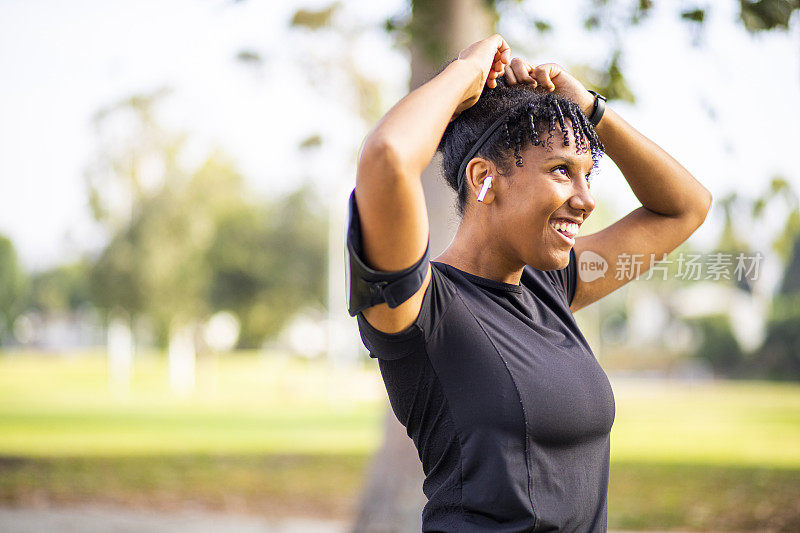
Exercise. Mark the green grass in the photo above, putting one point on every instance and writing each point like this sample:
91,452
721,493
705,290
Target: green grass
661,496
274,436
274,485
242,405
726,423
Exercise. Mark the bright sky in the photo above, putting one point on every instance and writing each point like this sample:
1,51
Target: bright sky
61,62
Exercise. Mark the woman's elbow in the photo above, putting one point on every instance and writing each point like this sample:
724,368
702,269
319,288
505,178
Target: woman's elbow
381,152
703,206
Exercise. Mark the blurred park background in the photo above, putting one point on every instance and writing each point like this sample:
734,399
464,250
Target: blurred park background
173,184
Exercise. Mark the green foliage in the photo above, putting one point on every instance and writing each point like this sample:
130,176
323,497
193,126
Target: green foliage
718,347
694,15
767,14
730,240
268,263
779,356
601,14
778,196
784,245
616,16
201,246
608,80
591,23
155,266
315,19
760,15
790,284
249,57
190,244
12,288
59,289
542,26
310,142
777,359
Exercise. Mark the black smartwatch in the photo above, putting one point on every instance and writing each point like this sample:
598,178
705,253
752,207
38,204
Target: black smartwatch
598,109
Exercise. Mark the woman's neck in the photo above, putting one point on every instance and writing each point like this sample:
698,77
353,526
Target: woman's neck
477,251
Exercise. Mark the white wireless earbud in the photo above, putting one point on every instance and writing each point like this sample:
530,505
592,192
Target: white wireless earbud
486,184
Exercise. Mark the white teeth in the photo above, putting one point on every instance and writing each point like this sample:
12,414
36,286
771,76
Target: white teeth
570,228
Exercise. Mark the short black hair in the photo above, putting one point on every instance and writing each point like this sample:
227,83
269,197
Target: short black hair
535,113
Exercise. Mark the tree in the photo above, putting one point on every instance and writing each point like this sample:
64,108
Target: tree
186,244
58,289
267,262
12,289
131,179
779,355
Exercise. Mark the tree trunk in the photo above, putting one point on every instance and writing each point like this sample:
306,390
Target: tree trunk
392,500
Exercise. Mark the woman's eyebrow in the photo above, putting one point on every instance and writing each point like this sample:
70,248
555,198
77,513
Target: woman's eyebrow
568,160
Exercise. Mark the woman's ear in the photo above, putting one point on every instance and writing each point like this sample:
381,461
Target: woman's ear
479,172
487,184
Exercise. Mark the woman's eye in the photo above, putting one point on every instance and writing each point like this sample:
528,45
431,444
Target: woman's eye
561,168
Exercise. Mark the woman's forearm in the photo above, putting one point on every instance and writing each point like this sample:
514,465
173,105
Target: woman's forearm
412,128
659,182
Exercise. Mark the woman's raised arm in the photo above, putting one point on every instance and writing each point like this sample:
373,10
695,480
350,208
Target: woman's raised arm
391,203
674,203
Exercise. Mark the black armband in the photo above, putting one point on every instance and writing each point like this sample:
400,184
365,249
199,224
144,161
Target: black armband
368,287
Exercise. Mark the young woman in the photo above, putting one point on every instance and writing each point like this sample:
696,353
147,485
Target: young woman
481,356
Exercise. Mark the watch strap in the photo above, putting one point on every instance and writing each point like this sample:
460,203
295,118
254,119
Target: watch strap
598,109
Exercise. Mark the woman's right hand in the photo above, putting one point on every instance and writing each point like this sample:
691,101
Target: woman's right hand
490,56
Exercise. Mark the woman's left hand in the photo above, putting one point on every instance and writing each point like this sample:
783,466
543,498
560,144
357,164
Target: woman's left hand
549,77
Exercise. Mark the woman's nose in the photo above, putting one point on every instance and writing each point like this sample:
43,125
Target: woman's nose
582,199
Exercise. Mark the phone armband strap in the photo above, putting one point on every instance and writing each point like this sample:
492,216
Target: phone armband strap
368,287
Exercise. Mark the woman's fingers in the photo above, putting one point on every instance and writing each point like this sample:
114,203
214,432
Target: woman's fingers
497,67
511,79
495,49
502,53
544,73
498,64
522,71
502,48
519,71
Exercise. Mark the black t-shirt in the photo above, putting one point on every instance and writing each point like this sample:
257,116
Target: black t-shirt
507,406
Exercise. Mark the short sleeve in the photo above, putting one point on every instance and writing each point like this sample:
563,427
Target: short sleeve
567,278
389,346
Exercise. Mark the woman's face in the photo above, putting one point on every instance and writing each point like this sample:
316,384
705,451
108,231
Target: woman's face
543,203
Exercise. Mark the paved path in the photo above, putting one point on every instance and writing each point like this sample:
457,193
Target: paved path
96,519
101,519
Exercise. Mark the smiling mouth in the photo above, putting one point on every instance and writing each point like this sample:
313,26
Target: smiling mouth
567,230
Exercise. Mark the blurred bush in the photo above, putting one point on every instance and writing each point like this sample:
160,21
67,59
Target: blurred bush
12,288
181,244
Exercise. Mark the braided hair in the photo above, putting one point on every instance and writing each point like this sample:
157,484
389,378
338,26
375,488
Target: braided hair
537,114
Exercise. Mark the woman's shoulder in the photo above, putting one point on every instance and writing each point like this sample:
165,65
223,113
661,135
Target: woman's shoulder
441,291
